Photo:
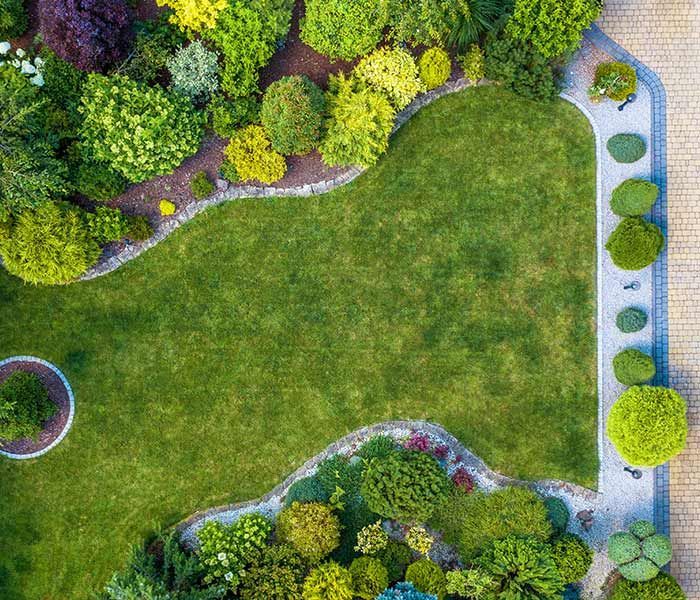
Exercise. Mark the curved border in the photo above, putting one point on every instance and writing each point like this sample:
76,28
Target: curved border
71,403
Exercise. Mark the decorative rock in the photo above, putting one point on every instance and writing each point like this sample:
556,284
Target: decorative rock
221,184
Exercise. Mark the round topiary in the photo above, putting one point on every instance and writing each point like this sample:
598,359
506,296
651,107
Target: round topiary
641,569
312,529
434,67
631,320
662,587
634,197
24,406
307,489
396,556
648,425
573,557
627,147
642,529
328,580
623,547
633,366
558,514
427,577
369,577
657,548
634,244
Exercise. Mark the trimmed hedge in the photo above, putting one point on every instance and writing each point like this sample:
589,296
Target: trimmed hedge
633,367
631,320
627,147
634,197
635,244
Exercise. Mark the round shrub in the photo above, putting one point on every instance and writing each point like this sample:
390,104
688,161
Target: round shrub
404,591
307,489
196,15
558,514
657,548
641,569
194,72
277,574
380,446
13,19
633,366
648,425
292,114
616,80
99,181
139,228
631,320
640,553
310,528
251,154
627,147
662,587
393,73
634,197
434,67
573,557
405,486
372,538
91,34
472,63
634,244
642,529
328,580
49,245
24,406
427,577
369,577
342,29
166,207
395,557
623,547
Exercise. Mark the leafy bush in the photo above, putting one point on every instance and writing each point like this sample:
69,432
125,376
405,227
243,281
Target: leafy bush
634,197
572,556
194,72
24,406
369,577
139,228
395,557
307,489
615,79
328,581
91,34
63,85
196,15
98,181
640,553
391,72
226,116
107,224
474,584
380,446
310,528
292,114
627,147
342,29
404,591
406,486
558,514
139,131
662,587
476,18
166,207
251,153
522,568
360,123
49,245
372,539
13,19
634,244
200,186
633,366
434,67
630,319
647,425
419,540
552,26
427,577
277,574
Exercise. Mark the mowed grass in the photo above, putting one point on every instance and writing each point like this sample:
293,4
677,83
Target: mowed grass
452,282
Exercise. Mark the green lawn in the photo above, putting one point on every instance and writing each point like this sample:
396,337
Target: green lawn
452,282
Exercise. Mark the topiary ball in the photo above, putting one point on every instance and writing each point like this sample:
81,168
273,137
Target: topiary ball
558,514
641,569
634,197
573,557
633,366
648,425
434,67
427,577
642,529
631,320
634,244
657,548
307,489
623,547
369,577
662,587
627,147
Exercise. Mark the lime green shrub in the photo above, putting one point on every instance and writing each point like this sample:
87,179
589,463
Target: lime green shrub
200,186
276,574
627,147
328,581
634,244
391,72
648,425
640,553
475,583
573,557
196,15
49,245
226,116
359,126
13,19
107,224
434,67
166,207
395,557
661,587
369,577
342,29
615,79
312,529
633,366
634,197
251,154
558,514
292,114
24,406
630,320
472,63
138,130
427,577
372,538
419,540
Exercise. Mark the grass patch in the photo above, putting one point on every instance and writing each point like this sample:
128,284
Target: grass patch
452,282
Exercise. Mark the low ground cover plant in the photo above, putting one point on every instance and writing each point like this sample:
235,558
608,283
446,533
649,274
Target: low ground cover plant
640,552
24,406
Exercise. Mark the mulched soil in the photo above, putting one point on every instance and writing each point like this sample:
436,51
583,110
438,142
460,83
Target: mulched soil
57,394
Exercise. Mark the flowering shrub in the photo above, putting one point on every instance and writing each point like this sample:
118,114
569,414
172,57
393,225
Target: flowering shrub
312,529
427,577
252,156
166,207
194,72
371,539
418,441
434,67
634,244
472,63
463,480
369,577
393,73
195,15
420,540
91,34
107,224
24,406
13,18
640,553
327,581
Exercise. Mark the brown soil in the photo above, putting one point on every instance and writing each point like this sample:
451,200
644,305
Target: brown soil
57,394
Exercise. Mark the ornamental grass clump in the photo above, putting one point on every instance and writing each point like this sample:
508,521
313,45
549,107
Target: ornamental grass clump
24,406
640,553
634,244
250,151
312,529
633,366
631,320
391,72
648,425
634,197
434,67
627,147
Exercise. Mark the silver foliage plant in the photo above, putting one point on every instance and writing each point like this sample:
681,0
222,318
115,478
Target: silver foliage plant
194,72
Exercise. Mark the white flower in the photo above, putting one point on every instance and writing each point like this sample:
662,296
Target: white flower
221,555
20,52
5,47
28,68
15,63
37,80
228,576
38,61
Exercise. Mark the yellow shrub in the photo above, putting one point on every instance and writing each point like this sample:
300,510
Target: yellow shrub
252,155
167,207
196,15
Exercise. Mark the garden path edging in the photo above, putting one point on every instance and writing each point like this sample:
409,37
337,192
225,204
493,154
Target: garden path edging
71,402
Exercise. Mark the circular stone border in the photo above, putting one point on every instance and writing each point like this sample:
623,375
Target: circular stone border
71,405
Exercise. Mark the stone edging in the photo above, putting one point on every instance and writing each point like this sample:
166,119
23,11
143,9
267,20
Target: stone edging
71,402
248,191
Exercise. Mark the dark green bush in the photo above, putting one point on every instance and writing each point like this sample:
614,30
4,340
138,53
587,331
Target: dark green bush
633,367
307,489
406,486
648,425
328,581
427,577
380,446
627,147
63,84
630,320
617,79
573,557
634,197
13,19
623,547
369,577
558,514
140,228
311,528
662,587
277,574
107,224
292,114
641,569
98,181
24,406
635,244
200,185
226,116
395,557
642,529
